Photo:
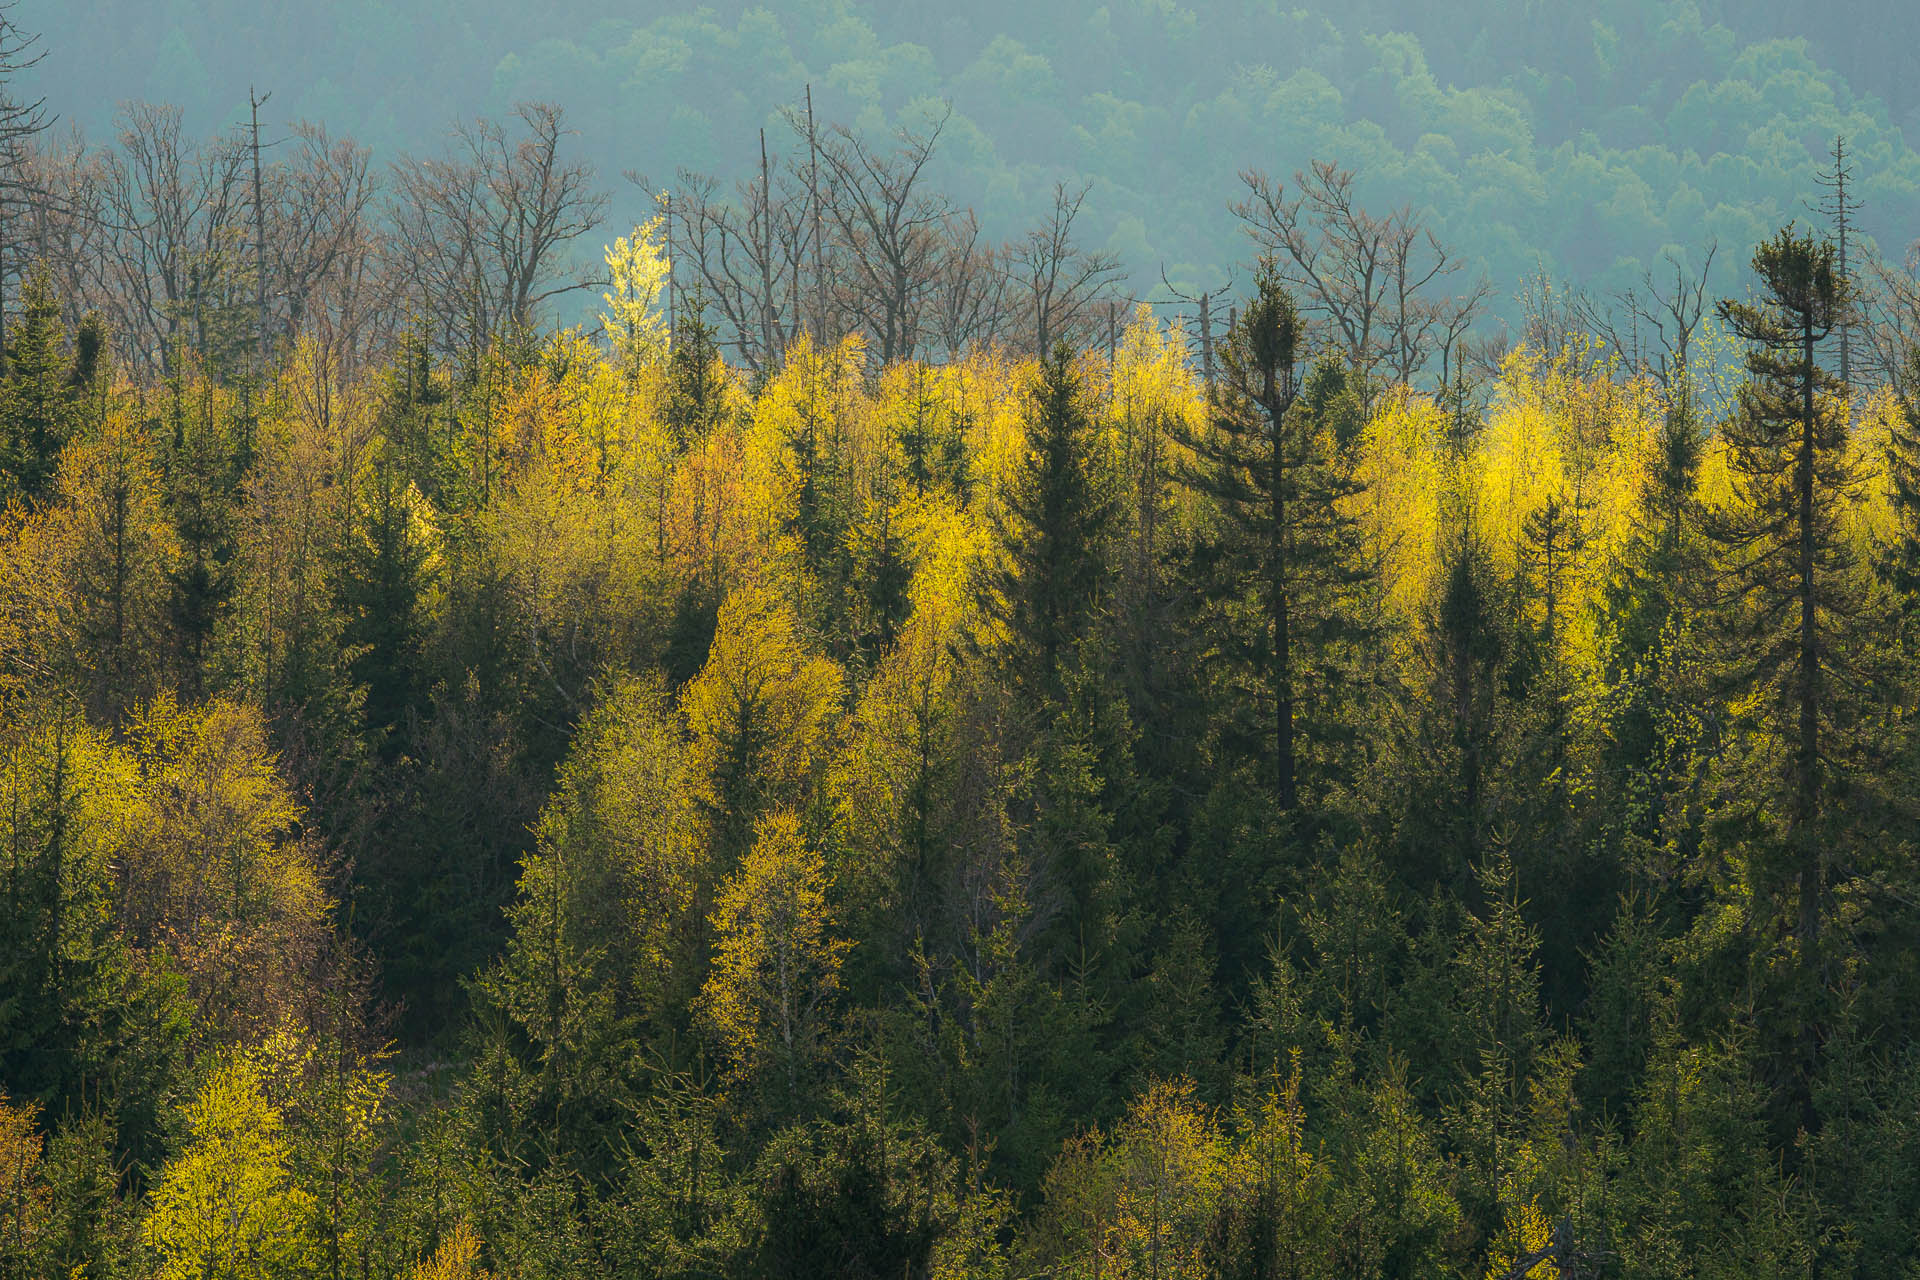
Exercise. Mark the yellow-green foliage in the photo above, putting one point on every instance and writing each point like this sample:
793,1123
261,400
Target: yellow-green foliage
226,1207
776,963
760,712
637,271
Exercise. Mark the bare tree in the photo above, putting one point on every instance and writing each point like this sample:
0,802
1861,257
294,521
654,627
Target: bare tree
1891,303
22,121
1060,283
177,274
60,221
747,255
479,231
889,227
1671,311
968,307
1367,278
323,242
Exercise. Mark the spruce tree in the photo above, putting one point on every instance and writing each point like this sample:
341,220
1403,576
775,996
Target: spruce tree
1058,513
1789,571
41,393
1287,567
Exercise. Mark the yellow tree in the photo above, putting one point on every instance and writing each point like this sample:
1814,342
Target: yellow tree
893,785
758,715
1136,1204
226,1207
776,965
215,870
84,582
23,1193
637,271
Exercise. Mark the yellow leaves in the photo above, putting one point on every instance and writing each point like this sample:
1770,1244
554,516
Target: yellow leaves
24,1197
214,868
637,270
900,735
1404,505
226,1207
1520,1251
619,837
760,710
1871,520
457,1258
776,964
1137,1203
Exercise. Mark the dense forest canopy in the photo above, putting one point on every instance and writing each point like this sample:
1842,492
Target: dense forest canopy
782,723
1583,141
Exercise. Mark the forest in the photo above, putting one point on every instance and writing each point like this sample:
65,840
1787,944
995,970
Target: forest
800,738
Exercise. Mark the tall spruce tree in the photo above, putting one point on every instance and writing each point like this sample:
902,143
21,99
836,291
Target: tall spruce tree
1058,514
1789,570
42,392
1287,567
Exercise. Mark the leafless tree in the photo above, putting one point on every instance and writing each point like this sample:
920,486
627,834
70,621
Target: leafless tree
747,254
323,241
1670,309
889,227
1369,279
968,307
1555,317
1060,283
1890,306
176,262
61,222
22,121
479,232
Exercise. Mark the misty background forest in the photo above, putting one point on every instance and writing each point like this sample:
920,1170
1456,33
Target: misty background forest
890,641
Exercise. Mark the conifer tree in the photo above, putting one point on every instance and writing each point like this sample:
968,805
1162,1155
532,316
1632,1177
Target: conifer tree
1048,593
1789,571
42,391
1289,566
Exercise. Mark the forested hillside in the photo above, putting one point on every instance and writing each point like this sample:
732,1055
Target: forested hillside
1580,140
871,755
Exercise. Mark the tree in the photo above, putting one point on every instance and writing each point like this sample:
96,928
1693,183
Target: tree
890,227
1288,570
1367,277
1789,572
1062,282
757,715
479,231
1046,593
386,570
637,270
42,394
226,1208
83,1021
776,965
